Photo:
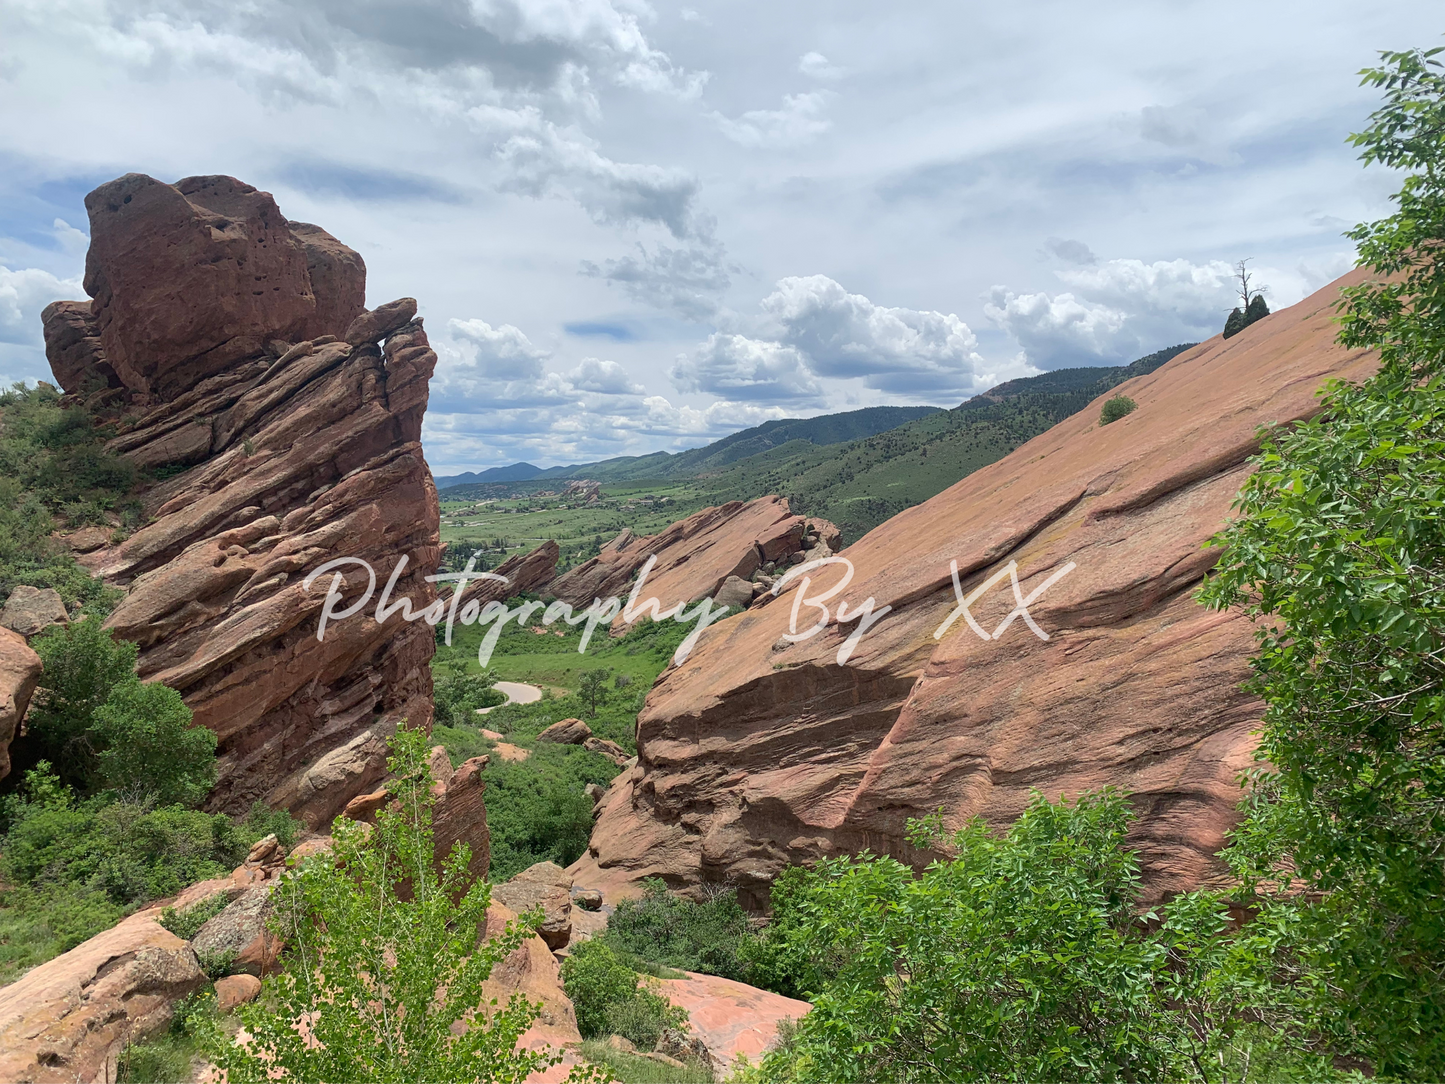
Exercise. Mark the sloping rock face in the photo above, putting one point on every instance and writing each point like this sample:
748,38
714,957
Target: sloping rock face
695,556
67,1020
759,752
19,672
289,421
731,1018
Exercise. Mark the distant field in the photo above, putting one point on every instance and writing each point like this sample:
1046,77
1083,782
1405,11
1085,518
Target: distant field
517,524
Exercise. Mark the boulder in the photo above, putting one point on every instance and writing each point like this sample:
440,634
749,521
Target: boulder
338,278
235,990
507,751
19,672
380,322
730,1018
533,972
222,320
609,749
69,1018
588,899
244,274
73,348
30,610
460,814
238,935
595,791
828,534
762,753
544,885
88,539
735,593
490,735
566,732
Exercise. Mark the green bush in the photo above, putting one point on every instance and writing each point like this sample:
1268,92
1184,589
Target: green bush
612,999
149,747
666,929
1026,956
169,1057
187,923
401,973
1116,408
456,697
83,664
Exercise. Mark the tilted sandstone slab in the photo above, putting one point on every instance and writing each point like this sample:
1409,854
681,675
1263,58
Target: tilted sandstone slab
286,447
19,672
759,752
731,1018
695,556
69,1018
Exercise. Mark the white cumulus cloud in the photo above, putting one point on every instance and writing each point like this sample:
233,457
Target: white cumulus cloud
798,121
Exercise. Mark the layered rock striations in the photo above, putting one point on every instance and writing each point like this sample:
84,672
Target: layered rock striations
759,752
234,350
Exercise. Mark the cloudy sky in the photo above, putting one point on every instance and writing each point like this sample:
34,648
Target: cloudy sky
639,226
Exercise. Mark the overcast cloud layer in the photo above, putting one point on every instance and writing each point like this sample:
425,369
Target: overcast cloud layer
635,227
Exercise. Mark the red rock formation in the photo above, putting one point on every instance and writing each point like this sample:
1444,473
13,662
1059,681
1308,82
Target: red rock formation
758,752
460,815
19,671
226,324
694,555
69,1019
731,1018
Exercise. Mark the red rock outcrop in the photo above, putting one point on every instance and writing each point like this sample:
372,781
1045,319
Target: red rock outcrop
695,556
289,421
759,752
188,279
19,671
68,1019
460,815
731,1018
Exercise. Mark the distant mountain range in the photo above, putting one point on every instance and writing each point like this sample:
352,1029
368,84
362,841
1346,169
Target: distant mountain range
825,429
862,467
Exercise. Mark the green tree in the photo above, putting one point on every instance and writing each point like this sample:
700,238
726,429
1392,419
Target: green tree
1339,555
612,999
83,663
149,747
1115,408
1025,956
592,690
383,968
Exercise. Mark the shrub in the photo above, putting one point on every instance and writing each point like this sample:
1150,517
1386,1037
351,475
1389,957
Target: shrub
382,958
1026,956
457,696
83,664
149,747
187,923
666,929
1116,408
611,999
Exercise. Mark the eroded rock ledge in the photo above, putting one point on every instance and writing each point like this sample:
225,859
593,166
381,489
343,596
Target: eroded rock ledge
234,350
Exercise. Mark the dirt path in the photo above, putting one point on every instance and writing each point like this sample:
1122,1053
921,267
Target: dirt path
516,692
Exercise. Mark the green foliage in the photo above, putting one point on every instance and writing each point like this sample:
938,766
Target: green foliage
1023,957
1115,408
675,932
52,462
1239,319
168,1057
612,999
187,923
592,690
632,1069
382,960
262,821
1339,555
458,695
83,664
150,748
537,809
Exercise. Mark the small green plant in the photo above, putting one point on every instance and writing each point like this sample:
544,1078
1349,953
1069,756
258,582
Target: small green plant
1116,408
666,929
187,923
612,999
383,962
216,963
168,1057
